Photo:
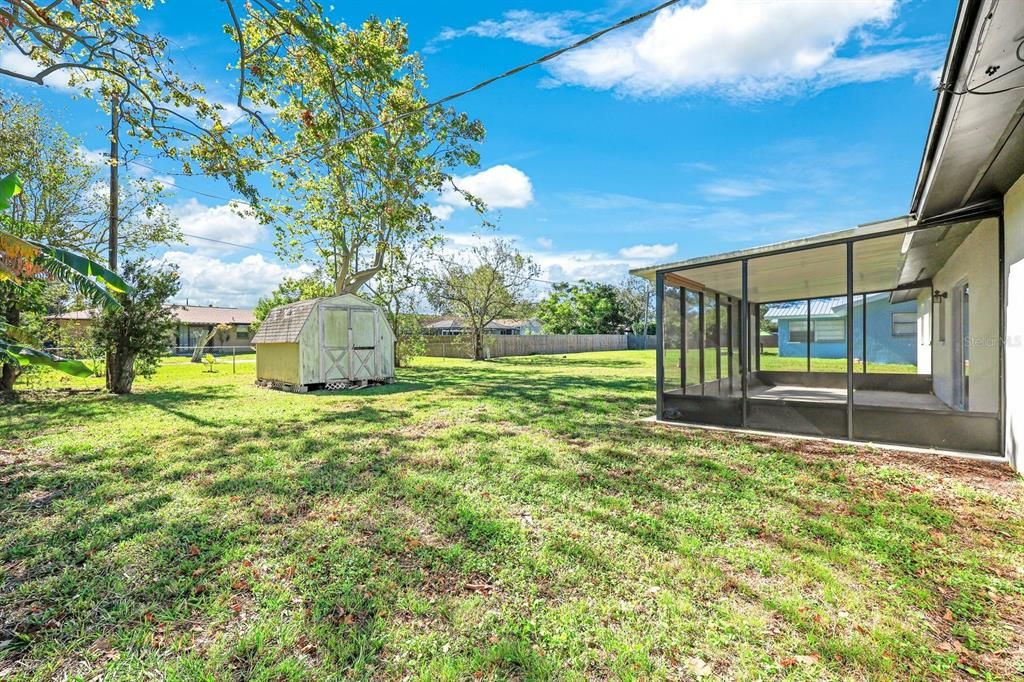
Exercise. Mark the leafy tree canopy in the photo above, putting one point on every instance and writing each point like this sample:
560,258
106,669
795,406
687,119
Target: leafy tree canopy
291,290
582,308
488,282
365,155
137,333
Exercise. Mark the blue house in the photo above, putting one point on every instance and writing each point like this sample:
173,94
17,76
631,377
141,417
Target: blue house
891,329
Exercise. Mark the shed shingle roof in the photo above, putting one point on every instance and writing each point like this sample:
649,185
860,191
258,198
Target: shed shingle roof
284,323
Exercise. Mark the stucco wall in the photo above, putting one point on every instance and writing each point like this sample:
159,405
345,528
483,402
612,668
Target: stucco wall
1014,259
977,262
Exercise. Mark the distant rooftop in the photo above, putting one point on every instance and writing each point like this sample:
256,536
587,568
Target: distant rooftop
187,314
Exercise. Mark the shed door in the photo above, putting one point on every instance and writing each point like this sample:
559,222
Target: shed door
364,344
334,343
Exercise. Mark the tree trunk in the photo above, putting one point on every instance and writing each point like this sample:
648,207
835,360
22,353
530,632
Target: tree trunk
10,371
478,345
120,372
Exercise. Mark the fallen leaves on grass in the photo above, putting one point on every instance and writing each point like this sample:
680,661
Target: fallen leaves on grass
698,667
799,660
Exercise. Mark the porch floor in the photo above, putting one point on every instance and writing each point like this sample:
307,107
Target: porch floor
914,401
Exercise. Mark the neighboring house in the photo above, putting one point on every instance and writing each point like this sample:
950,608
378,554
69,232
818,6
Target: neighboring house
194,323
454,327
956,260
891,329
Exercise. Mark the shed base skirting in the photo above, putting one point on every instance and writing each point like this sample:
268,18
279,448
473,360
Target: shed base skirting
889,447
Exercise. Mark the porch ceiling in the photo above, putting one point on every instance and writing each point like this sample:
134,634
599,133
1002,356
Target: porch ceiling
812,273
879,264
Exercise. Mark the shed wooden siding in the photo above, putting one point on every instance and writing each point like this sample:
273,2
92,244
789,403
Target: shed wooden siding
279,362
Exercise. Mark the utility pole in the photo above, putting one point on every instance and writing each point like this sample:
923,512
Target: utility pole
114,163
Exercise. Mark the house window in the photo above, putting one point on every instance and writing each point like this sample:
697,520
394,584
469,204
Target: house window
798,331
828,331
822,331
904,324
242,331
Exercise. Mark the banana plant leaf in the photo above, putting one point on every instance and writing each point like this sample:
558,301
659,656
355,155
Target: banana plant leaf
87,268
24,355
10,187
18,334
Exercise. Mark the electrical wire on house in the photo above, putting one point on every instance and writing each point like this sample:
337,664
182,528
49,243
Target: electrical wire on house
976,90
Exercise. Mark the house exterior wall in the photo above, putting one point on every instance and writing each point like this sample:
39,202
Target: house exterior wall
924,332
1013,216
191,334
883,347
976,262
278,362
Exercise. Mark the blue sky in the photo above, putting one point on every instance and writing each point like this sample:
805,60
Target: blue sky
719,124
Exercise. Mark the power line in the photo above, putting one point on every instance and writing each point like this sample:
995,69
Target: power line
483,84
189,189
522,67
226,243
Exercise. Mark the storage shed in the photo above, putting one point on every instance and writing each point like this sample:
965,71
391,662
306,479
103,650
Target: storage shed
332,342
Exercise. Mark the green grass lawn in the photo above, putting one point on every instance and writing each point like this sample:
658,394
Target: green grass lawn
509,519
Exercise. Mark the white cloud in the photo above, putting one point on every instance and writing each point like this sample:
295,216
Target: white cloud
166,180
93,157
545,243
225,223
743,49
649,251
501,186
725,189
13,60
572,265
442,211
206,280
525,26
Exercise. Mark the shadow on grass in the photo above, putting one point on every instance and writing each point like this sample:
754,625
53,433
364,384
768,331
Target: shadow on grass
329,529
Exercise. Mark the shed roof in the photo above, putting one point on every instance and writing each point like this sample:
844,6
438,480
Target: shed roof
284,323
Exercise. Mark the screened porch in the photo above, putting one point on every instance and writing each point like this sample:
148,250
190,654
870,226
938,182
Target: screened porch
886,334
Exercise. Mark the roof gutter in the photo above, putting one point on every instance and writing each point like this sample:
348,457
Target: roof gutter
967,14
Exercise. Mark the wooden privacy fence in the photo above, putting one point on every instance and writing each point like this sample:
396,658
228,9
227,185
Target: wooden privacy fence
641,342
531,344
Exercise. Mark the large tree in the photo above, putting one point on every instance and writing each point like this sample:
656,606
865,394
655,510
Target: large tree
582,308
488,282
636,300
364,153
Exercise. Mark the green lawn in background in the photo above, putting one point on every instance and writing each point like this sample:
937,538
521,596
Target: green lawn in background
771,362
511,519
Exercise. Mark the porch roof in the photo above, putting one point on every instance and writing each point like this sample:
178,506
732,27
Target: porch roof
822,239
